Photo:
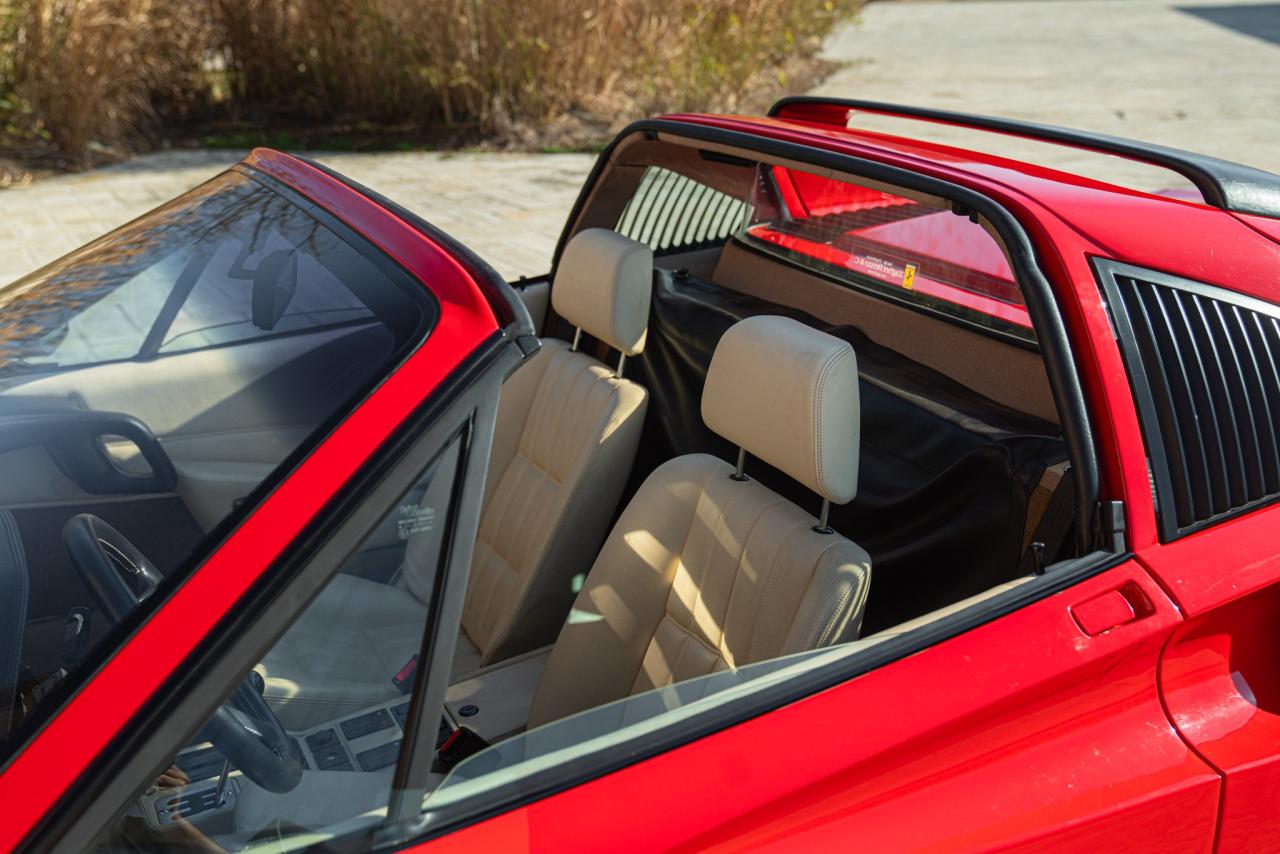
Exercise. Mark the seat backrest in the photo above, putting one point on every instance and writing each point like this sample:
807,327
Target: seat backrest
707,569
566,438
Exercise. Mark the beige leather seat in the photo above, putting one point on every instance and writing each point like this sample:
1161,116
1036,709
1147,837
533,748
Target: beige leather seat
564,444
707,570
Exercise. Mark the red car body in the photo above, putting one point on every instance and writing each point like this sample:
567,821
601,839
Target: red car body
1137,709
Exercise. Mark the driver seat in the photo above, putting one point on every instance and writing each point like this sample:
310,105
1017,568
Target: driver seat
707,569
565,439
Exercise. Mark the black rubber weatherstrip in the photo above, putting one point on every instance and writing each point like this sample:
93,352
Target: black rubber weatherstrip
1051,332
1224,184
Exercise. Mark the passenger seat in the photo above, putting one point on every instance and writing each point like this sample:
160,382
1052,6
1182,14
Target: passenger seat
706,569
565,440
568,428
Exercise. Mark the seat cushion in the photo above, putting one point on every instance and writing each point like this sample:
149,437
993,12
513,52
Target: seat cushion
701,573
342,653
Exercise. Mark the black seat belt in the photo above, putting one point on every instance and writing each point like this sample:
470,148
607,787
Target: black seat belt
1051,532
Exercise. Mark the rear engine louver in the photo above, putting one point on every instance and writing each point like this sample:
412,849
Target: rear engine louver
1204,364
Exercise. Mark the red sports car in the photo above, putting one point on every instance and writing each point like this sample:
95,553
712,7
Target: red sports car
834,490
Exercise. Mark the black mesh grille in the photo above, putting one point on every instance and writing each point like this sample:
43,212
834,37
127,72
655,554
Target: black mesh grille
1205,364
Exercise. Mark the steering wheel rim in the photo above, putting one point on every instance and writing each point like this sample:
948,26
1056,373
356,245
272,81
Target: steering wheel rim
244,729
248,733
115,571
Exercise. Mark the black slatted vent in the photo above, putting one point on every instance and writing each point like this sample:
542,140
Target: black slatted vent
673,213
1205,367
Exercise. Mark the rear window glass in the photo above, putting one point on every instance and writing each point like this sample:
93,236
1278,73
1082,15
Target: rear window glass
671,212
894,246
153,383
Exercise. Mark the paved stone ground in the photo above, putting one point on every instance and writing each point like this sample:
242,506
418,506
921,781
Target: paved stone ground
1203,75
509,207
1198,74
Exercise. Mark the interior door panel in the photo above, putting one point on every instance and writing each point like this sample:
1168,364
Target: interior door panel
159,524
227,415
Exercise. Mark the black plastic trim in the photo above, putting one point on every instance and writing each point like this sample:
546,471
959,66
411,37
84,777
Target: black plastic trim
1224,184
1051,331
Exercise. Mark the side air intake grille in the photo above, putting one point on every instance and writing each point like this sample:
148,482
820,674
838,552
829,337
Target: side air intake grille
1205,368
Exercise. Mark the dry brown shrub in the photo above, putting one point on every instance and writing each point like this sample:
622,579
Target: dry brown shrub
90,69
95,69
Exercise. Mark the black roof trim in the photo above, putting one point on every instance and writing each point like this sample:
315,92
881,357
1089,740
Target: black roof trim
1226,185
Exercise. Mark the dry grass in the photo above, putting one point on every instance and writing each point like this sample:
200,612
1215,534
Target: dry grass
96,70
91,70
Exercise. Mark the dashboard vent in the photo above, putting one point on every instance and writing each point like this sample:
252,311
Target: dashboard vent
1204,364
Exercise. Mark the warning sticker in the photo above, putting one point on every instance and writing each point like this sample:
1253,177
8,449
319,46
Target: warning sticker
415,519
886,270
909,276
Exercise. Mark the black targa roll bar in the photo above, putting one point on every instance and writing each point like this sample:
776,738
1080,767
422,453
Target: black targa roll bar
1226,185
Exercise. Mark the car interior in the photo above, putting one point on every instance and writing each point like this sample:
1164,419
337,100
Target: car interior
775,411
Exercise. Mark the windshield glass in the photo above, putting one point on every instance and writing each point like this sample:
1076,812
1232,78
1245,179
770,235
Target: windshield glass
149,384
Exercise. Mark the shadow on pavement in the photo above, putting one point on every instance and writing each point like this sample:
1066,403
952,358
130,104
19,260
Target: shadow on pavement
1261,21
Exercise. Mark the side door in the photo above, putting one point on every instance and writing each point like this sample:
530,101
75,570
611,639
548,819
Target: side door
1204,362
1040,729
411,454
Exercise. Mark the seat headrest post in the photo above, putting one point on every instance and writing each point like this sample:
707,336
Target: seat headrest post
622,360
822,527
788,394
577,339
740,472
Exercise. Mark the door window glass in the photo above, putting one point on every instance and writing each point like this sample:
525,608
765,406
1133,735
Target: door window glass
150,384
306,746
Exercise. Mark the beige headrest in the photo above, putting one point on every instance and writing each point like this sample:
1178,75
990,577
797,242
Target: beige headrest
603,285
789,395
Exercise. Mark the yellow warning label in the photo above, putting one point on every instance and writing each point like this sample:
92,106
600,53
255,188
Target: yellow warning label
909,276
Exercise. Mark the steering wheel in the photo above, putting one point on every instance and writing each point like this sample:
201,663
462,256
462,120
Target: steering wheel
244,729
